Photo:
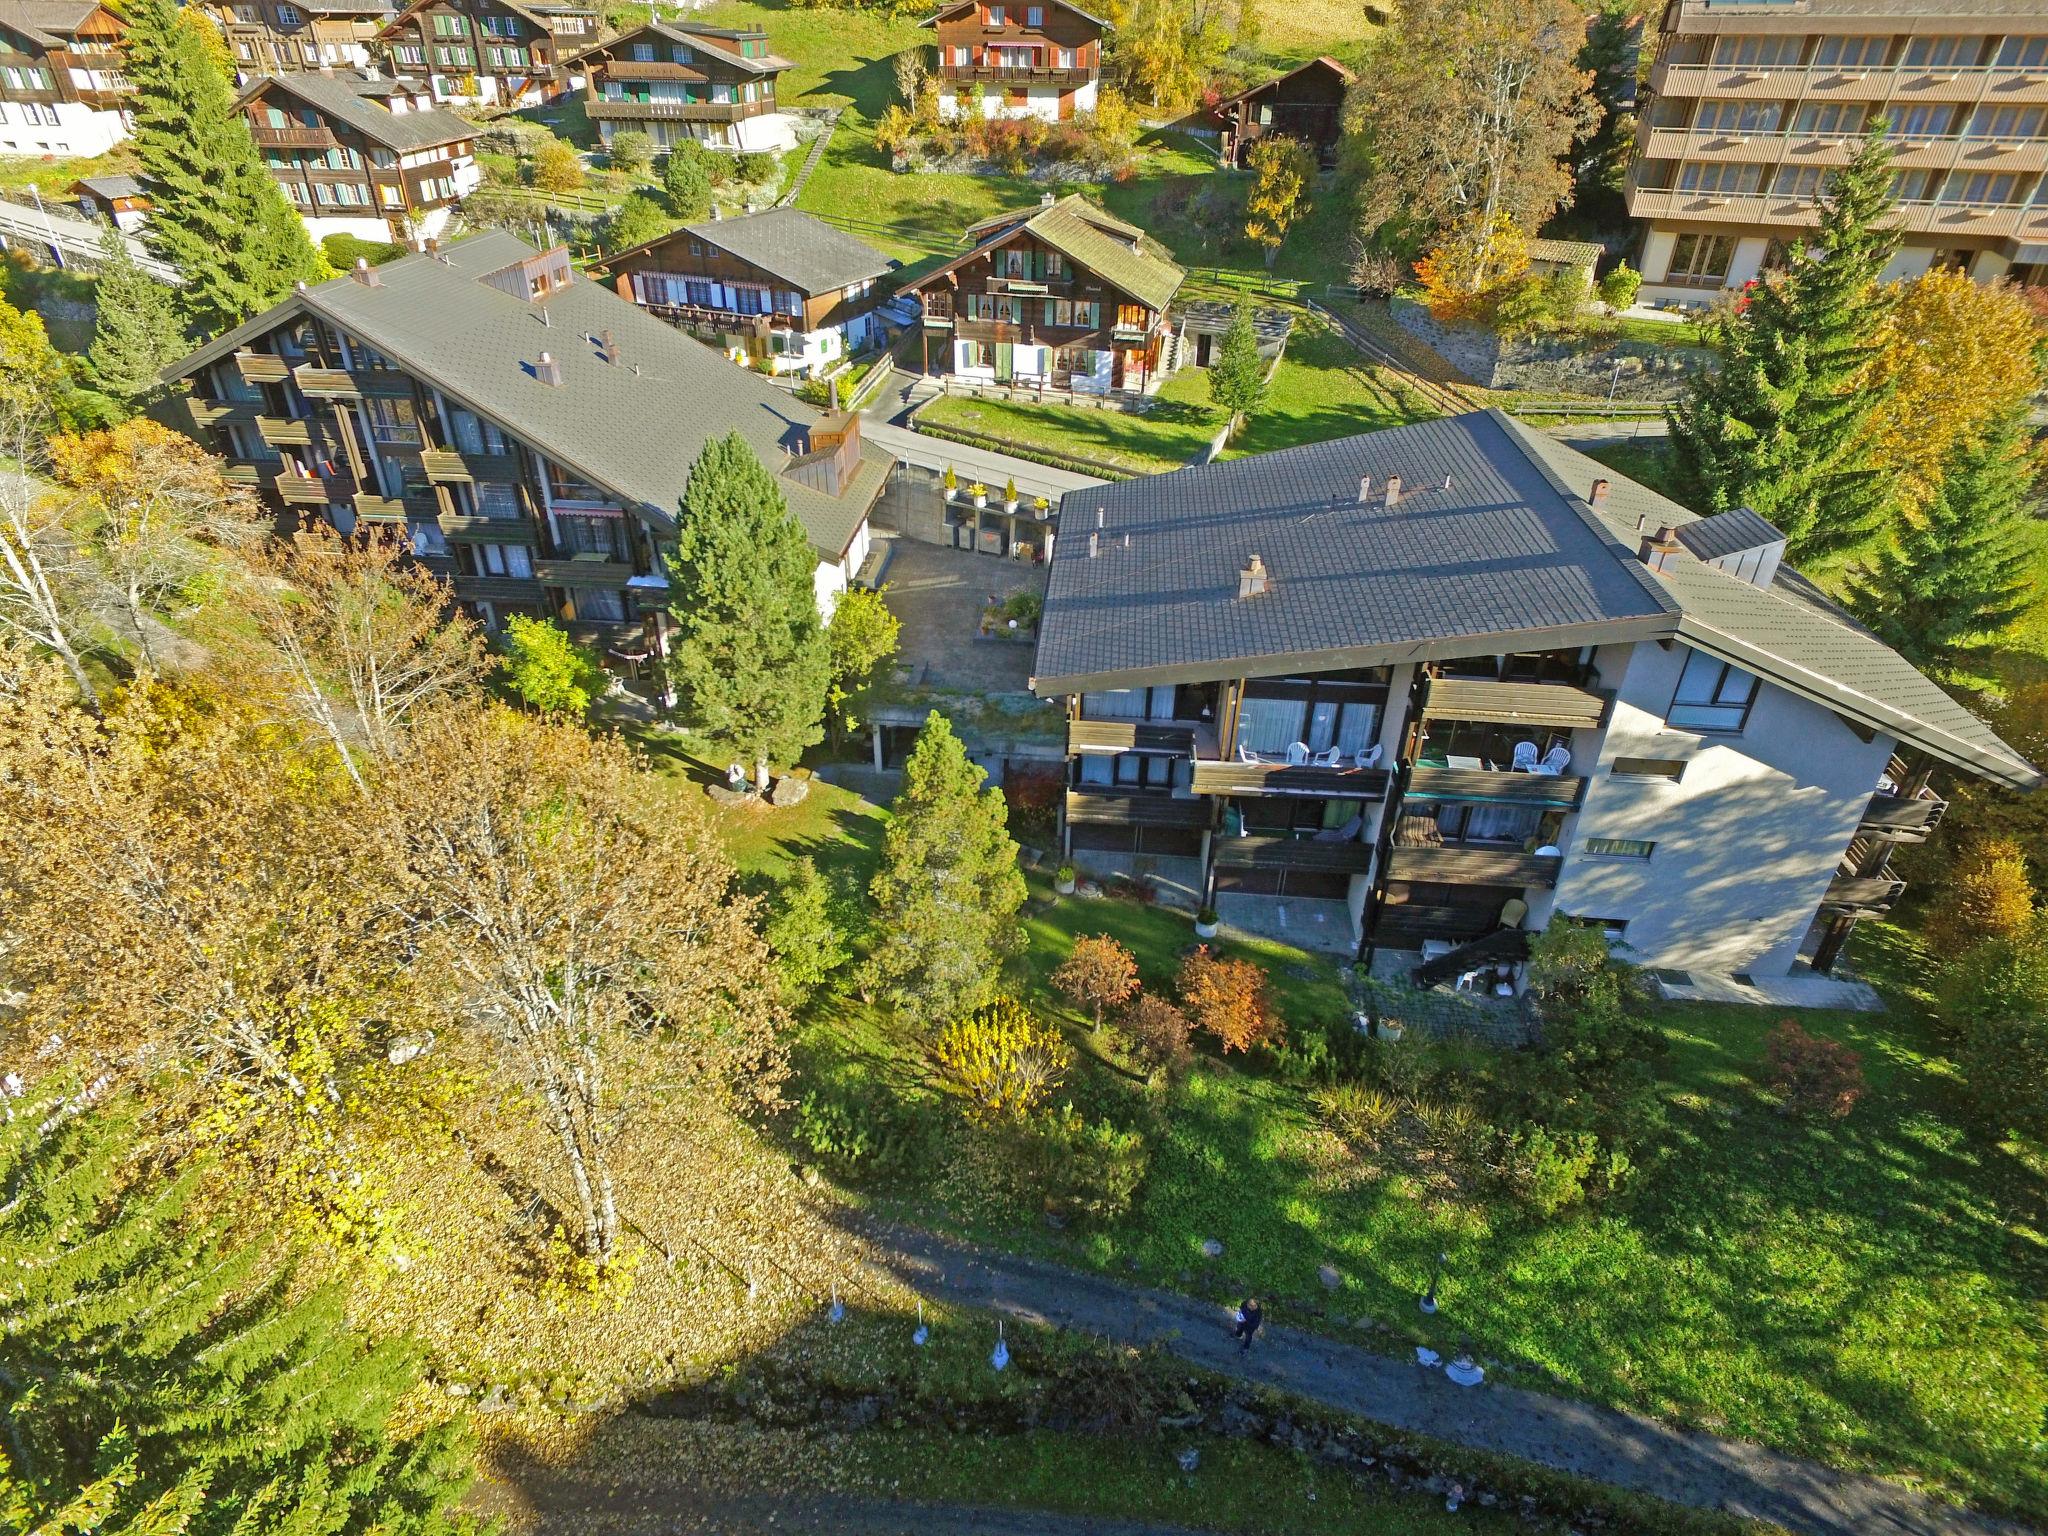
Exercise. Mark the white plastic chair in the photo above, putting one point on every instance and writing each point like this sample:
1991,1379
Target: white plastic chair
1370,757
1297,755
1557,759
1525,757
1327,759
1246,755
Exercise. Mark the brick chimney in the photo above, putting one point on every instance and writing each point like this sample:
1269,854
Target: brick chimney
1251,581
1661,550
366,274
1599,492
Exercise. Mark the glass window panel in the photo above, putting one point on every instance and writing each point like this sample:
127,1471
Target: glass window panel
1123,704
1271,725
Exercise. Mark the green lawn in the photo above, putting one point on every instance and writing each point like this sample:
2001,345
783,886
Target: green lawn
1322,389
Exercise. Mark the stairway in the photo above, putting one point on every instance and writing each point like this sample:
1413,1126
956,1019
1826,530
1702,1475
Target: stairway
796,186
1488,949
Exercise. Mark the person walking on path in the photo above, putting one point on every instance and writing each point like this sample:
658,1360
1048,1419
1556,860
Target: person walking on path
1249,1317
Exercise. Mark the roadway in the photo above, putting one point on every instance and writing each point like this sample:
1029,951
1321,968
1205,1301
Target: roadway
70,238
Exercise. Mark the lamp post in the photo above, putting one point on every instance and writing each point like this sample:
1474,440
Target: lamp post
1428,1302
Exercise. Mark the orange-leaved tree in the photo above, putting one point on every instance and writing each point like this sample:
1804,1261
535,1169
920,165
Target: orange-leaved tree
1098,974
1229,999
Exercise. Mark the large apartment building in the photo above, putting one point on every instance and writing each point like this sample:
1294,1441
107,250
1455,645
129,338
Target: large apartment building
1454,680
1002,60
362,155
275,37
1061,295
496,53
674,81
529,431
1750,105
61,87
778,290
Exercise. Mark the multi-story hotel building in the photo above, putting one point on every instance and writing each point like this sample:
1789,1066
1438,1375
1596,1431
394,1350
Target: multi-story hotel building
531,433
488,52
362,155
674,81
275,37
1751,104
61,87
1450,681
1042,59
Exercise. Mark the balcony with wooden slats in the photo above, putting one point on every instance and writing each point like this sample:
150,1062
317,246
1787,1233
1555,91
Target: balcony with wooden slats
1903,818
590,570
501,589
1555,791
1140,808
311,490
449,466
489,530
221,413
1473,866
326,383
261,368
1862,895
1262,852
1559,706
379,509
1107,736
1241,778
285,431
243,473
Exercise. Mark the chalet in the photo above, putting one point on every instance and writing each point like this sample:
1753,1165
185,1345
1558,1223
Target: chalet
1061,295
121,201
1306,103
362,155
274,37
1003,60
61,87
1447,683
488,52
529,432
779,290
675,81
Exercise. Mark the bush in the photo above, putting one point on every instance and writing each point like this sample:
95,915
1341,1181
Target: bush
1361,1115
1158,1032
1618,288
686,182
1812,1076
632,150
755,169
805,933
1085,1167
1034,801
895,131
1995,998
1989,897
827,394
1377,274
344,251
860,1133
547,669
1547,1170
1098,973
1532,305
1001,1061
637,220
556,167
1229,999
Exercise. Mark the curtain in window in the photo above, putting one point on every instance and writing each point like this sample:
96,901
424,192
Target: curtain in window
1271,725
1123,704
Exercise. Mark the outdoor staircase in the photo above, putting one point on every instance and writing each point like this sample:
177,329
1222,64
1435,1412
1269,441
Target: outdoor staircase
1488,949
796,185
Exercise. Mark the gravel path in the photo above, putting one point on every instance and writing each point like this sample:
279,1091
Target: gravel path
1606,1445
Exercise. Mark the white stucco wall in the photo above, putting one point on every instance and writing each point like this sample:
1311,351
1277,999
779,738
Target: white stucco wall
1746,840
832,577
364,227
769,134
79,130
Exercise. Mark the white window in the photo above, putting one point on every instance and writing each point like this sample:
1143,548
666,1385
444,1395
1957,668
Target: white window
2005,123
1799,181
1700,258
1720,178
1712,695
2024,52
1618,847
288,16
1851,53
1738,117
1979,187
643,53
1758,52
1034,15
1830,117
1942,52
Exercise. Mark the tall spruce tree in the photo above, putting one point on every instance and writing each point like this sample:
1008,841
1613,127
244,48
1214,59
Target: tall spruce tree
1237,376
947,894
160,1378
1779,427
136,334
219,218
1959,569
751,663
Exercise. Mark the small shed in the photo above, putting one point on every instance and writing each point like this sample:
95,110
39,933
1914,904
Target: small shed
120,200
1203,322
1306,103
1551,256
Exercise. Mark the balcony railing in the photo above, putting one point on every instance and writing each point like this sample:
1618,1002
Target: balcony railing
285,431
1138,808
312,490
1014,74
1903,818
586,570
1261,851
503,589
488,530
1241,778
261,367
598,106
2000,83
1862,895
1494,787
1919,217
447,465
1473,866
379,509
325,383
1773,147
297,136
1131,736
1559,706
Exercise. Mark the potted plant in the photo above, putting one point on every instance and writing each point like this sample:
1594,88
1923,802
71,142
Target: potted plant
1010,495
1391,1031
1205,923
1063,879
979,492
952,484
1041,508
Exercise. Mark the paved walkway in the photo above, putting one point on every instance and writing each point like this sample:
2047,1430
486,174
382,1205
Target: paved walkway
1601,1444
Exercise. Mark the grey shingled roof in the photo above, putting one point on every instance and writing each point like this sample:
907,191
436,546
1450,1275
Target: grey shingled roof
1512,556
1728,533
804,251
352,100
111,187
633,427
946,10
1117,252
50,23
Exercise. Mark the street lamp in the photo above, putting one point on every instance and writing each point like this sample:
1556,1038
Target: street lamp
1428,1302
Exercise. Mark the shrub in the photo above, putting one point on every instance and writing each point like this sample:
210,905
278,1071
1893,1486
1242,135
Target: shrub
1812,1075
637,220
860,1133
548,670
1228,998
1361,1115
1086,1167
632,150
686,182
1530,305
1618,288
1473,263
1989,897
1158,1032
1995,998
1546,1170
556,167
804,932
1001,1061
1098,973
895,131
344,251
1034,801
755,169
1376,273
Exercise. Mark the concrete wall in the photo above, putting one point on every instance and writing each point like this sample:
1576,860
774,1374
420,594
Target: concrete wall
1746,841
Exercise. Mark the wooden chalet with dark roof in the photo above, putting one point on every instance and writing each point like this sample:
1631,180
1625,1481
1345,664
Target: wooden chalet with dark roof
275,37
1041,59
489,52
674,81
61,87
1305,103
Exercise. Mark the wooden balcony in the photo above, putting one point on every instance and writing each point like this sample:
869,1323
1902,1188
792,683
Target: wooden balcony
1131,736
1405,925
1240,778
590,570
1897,84
502,589
649,69
1012,74
325,383
1473,866
261,368
1139,808
220,413
1861,895
242,472
599,110
446,465
1903,818
295,136
286,431
2025,222
378,509
489,530
1273,852
1558,706
1485,786
310,490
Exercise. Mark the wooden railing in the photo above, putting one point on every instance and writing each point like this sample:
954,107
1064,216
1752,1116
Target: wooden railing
1259,851
1128,807
1231,777
1559,790
1557,705
1473,866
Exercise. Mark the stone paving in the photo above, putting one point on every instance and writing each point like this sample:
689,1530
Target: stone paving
1443,1012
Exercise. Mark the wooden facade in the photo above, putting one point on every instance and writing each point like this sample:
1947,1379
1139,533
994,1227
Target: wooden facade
271,37
1022,57
61,86
672,81
487,50
1305,104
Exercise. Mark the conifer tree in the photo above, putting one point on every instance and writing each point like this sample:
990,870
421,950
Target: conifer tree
751,660
947,894
1779,427
219,218
137,333
1237,377
158,1378
1961,567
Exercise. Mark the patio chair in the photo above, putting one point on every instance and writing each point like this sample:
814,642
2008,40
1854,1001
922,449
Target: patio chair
1556,760
1297,755
1348,833
1246,755
1327,759
1370,757
1525,757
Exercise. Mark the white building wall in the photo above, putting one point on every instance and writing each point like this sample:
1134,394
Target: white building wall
1746,840
832,577
363,226
769,134
79,130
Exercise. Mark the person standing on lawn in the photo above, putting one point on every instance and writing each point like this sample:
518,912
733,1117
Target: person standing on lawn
1249,1317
